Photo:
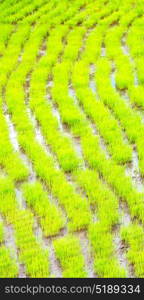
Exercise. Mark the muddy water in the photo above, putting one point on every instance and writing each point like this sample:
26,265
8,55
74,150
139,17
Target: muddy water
10,243
103,50
120,246
55,268
126,51
12,132
112,77
125,218
121,250
92,82
86,251
83,46
72,94
38,134
58,117
133,171
16,147
42,49
124,46
20,199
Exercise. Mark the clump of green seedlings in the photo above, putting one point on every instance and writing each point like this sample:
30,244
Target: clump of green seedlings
32,254
6,31
1,232
114,175
8,265
60,143
130,120
105,263
50,217
9,159
133,235
68,252
100,115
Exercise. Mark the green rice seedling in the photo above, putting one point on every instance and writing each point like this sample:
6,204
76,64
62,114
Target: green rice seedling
38,14
114,175
136,96
68,252
124,69
13,9
105,263
102,11
22,9
8,267
59,143
35,151
124,74
129,119
135,36
74,42
50,217
32,254
6,31
9,159
44,166
99,114
96,154
133,235
93,44
100,196
13,50
51,176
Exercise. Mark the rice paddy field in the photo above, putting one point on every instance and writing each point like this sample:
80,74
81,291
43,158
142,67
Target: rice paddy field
71,138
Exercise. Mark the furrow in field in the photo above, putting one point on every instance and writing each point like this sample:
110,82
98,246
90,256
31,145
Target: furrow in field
11,244
92,81
8,259
55,268
120,246
87,253
69,254
16,146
